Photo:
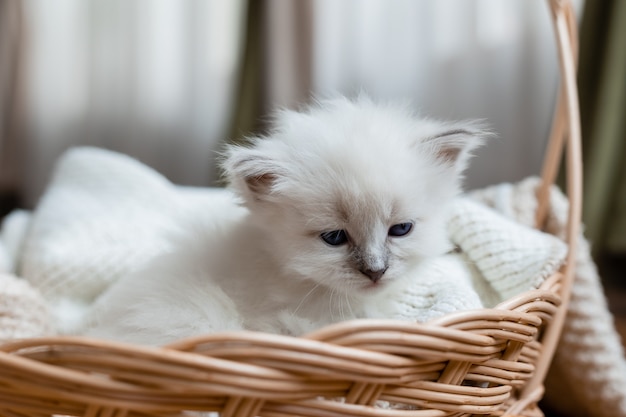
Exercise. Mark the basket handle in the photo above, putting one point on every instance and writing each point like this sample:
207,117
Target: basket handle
565,133
561,115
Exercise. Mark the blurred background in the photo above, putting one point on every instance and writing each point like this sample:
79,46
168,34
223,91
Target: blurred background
169,82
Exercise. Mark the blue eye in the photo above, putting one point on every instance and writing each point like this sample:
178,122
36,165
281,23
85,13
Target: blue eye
335,237
400,229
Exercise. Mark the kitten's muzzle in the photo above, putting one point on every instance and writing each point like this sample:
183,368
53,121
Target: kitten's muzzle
373,275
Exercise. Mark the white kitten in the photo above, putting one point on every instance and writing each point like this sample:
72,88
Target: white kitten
340,203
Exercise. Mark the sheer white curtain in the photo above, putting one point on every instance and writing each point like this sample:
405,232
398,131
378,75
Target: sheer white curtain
151,78
157,79
489,59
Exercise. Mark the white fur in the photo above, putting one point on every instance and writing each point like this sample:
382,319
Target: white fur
351,165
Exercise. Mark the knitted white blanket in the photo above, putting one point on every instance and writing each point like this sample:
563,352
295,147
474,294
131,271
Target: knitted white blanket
588,374
105,214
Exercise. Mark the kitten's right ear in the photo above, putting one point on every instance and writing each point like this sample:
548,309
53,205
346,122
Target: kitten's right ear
251,172
453,146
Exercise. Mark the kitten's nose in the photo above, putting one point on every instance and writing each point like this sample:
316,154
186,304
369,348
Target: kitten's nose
374,275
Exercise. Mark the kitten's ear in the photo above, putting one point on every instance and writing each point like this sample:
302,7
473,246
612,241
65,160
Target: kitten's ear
454,146
251,172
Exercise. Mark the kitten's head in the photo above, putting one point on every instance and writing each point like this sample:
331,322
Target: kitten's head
353,194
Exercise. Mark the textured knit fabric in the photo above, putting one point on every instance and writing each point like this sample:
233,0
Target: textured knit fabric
102,216
588,373
95,223
511,258
23,311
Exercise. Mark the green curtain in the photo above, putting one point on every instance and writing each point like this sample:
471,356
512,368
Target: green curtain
249,103
12,96
602,82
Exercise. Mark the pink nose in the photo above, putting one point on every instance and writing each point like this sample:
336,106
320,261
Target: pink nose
374,276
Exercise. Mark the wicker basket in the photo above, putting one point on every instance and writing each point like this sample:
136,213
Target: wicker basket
486,362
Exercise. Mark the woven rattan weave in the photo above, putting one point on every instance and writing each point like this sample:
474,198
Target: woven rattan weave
487,362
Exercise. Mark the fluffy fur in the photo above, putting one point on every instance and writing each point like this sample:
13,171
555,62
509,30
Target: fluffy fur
261,263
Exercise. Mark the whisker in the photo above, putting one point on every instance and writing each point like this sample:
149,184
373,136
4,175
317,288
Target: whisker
349,306
308,294
342,315
330,304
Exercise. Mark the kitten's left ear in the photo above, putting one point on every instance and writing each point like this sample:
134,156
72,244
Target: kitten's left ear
251,171
454,146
